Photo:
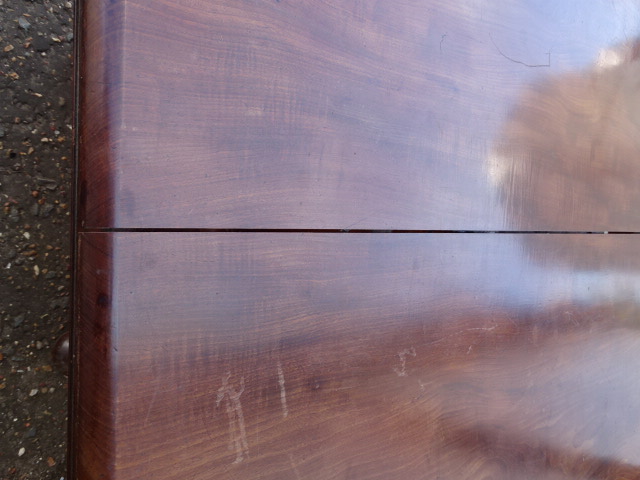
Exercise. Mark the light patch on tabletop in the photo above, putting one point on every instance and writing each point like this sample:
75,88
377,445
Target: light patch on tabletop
283,392
237,431
402,371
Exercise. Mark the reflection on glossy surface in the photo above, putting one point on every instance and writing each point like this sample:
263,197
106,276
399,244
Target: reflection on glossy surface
569,155
346,114
360,356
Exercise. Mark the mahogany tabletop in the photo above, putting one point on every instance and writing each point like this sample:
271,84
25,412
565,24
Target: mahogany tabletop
404,115
354,240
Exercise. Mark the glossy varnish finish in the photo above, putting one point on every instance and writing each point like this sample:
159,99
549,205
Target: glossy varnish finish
334,316
361,356
416,114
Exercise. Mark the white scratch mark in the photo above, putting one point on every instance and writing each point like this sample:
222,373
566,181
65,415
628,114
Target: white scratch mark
295,469
469,351
151,403
237,432
446,337
402,371
283,392
484,329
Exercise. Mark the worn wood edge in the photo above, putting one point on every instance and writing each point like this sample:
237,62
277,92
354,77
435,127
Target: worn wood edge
99,88
92,410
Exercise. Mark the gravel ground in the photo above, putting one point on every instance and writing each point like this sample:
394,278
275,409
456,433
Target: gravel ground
36,168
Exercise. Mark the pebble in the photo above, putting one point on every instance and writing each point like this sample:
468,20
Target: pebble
45,181
17,321
61,302
2,132
46,209
21,451
41,44
14,215
33,392
23,23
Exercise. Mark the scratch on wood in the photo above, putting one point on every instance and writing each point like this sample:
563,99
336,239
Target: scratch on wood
402,371
151,403
548,64
283,393
295,469
237,432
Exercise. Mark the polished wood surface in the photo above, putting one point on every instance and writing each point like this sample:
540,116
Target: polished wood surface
354,356
342,114
357,240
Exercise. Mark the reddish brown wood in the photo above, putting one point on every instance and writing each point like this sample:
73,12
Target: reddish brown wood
93,377
320,354
355,356
415,114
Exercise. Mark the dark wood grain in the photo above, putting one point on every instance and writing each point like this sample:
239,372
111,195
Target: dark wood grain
92,425
345,114
252,353
354,356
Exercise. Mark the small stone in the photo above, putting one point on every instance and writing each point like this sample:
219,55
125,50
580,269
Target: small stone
21,451
69,37
17,321
47,208
41,44
61,302
39,345
33,392
31,432
23,23
48,183
50,461
14,215
2,132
